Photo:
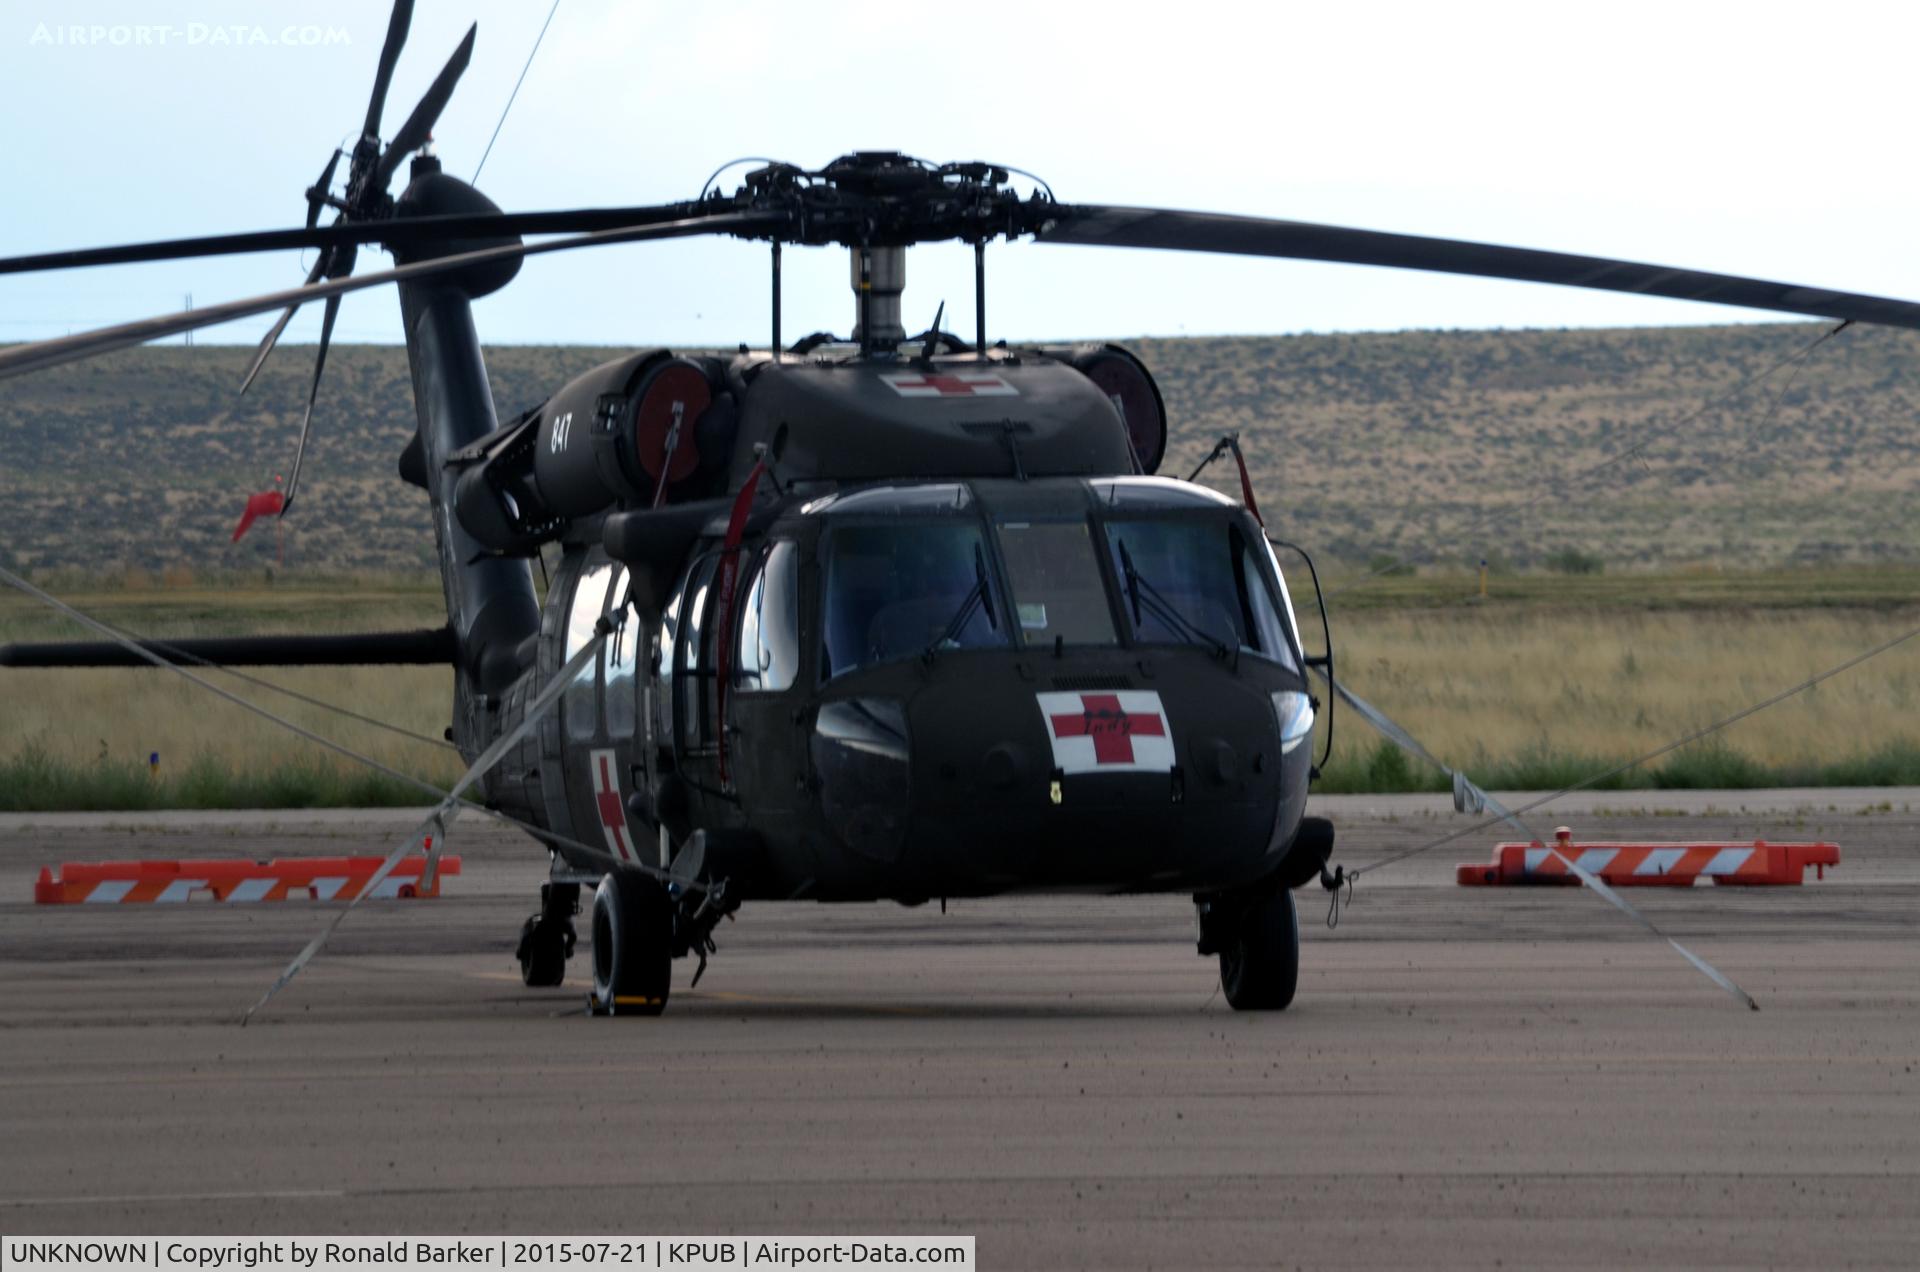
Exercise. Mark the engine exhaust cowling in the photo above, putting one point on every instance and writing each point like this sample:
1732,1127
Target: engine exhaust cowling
1130,387
611,436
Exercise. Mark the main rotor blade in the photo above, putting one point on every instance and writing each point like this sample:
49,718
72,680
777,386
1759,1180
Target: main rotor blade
273,334
399,230
397,23
419,126
1098,226
19,359
313,393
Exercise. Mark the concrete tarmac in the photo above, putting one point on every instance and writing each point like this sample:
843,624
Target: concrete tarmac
1469,1077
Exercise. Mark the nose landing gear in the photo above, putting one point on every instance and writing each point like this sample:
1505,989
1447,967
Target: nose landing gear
1260,960
547,938
1256,931
1257,936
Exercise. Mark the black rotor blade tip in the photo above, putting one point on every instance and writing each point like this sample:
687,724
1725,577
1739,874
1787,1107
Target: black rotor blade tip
397,24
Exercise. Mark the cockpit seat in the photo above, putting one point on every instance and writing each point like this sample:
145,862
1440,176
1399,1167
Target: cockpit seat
906,627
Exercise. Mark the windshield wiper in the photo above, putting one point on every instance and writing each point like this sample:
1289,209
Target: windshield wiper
976,595
1141,593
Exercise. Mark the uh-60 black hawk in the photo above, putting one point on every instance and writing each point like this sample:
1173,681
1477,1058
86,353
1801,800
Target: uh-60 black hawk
876,618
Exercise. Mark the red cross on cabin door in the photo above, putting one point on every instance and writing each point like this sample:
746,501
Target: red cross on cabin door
611,808
949,384
1123,732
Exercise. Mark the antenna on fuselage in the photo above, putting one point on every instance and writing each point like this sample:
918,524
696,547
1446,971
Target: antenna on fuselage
933,334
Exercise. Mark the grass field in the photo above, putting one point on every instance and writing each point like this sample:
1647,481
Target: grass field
82,739
1550,679
1535,696
1547,680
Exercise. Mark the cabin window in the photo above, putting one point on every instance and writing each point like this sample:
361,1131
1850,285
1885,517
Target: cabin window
902,589
693,690
618,662
1055,577
1185,581
581,704
769,657
684,656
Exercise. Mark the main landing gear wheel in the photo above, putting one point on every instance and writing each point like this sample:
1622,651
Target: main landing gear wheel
632,945
1260,957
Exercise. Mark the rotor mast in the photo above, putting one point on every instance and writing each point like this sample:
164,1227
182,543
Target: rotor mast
879,276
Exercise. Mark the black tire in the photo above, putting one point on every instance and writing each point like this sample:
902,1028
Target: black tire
543,955
632,945
1260,961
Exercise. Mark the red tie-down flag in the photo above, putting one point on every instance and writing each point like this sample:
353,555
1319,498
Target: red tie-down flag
267,503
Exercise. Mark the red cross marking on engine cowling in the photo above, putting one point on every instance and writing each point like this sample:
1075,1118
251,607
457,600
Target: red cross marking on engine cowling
612,815
946,385
1110,728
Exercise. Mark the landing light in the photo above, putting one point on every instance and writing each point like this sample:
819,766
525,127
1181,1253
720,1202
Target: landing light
1294,710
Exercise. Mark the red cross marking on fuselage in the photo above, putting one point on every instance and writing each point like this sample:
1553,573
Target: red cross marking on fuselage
1110,728
612,815
946,385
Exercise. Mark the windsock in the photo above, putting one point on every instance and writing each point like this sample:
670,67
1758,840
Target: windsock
267,503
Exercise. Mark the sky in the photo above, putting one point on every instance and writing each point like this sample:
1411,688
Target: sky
1759,139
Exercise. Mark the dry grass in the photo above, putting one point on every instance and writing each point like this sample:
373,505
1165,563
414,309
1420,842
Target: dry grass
115,718
81,717
1483,686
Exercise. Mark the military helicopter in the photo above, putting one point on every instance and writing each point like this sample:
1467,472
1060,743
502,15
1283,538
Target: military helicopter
881,617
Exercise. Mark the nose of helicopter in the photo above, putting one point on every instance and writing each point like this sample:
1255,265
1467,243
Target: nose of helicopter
1098,772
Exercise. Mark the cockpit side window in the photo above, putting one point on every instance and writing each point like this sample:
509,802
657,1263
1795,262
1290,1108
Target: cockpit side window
769,657
1264,620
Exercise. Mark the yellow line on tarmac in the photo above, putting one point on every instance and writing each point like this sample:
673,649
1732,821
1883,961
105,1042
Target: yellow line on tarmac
765,1000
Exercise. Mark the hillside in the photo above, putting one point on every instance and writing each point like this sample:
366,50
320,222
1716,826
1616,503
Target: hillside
1362,445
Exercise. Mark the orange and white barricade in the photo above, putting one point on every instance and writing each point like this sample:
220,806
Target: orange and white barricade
293,878
1671,865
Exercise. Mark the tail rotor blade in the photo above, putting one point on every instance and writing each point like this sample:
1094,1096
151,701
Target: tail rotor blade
273,335
397,24
419,126
317,195
313,393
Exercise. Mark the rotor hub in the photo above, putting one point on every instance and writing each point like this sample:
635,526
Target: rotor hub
883,199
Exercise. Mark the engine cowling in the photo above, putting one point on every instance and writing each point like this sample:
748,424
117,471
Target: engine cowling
611,436
1127,383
